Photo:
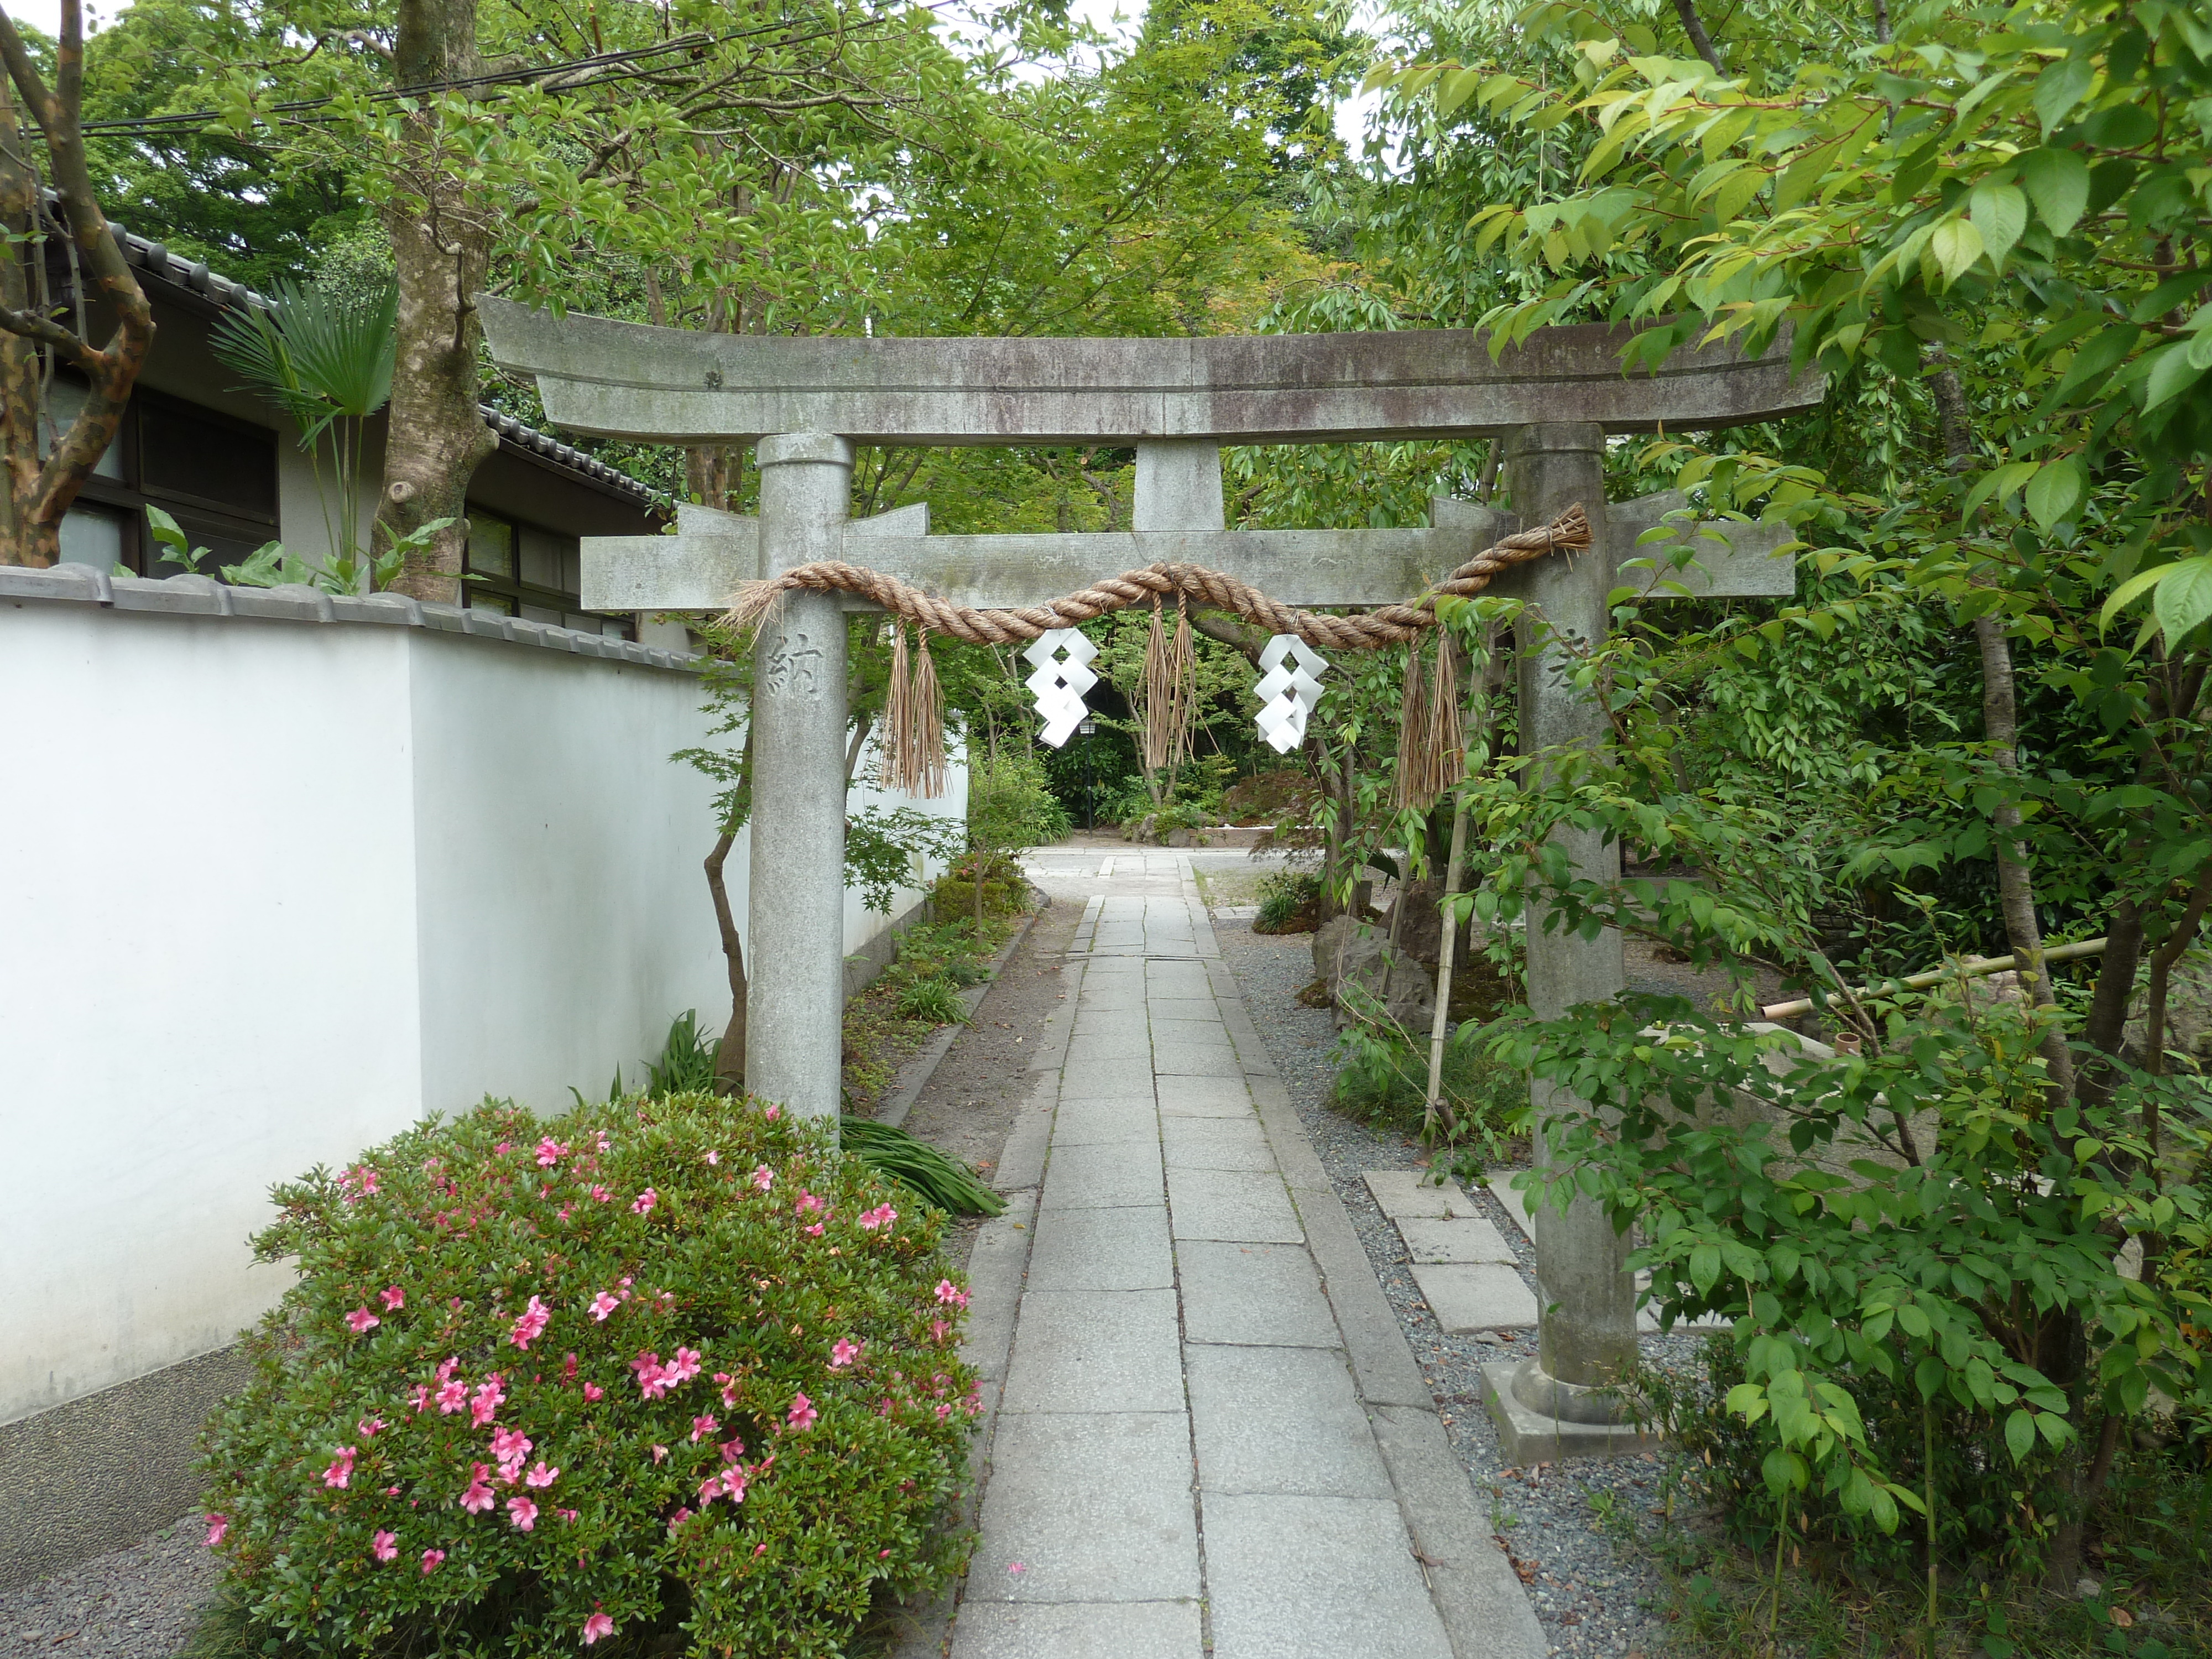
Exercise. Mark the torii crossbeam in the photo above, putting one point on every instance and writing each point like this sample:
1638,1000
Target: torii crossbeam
804,403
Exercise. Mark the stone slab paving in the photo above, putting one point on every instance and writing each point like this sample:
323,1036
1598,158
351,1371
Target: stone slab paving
1202,1440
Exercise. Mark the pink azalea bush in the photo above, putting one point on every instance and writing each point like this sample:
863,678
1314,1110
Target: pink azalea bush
698,1406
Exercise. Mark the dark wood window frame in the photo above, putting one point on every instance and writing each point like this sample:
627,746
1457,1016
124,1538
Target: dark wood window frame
508,592
131,496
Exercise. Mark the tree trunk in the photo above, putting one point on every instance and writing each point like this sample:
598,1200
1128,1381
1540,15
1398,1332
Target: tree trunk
2001,729
110,370
730,1058
22,380
435,434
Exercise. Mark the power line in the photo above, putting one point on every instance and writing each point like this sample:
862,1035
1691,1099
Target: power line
634,60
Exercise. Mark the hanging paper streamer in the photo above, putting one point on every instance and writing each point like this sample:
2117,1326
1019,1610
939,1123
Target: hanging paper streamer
1059,683
1288,693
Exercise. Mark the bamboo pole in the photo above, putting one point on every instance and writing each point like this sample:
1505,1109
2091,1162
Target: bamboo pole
1973,967
1445,951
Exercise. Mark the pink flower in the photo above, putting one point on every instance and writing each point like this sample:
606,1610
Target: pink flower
391,1491
523,1513
602,1305
511,1445
944,1410
684,1366
843,1354
368,1427
760,1550
530,1324
393,1298
1016,1568
652,1379
541,1476
702,1426
938,1329
550,1152
340,1473
490,1393
660,1453
815,1231
951,1294
452,1396
882,1216
712,1156
385,1545
729,1389
503,1148
732,1450
679,1517
807,1205
643,1203
601,1196
802,1413
479,1499
420,1399
596,1626
361,1319
569,1368
452,1364
217,1526
593,1391
774,1112
763,1177
567,1515
430,1560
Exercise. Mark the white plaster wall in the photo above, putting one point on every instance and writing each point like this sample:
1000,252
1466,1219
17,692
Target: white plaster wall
862,924
207,967
269,892
562,908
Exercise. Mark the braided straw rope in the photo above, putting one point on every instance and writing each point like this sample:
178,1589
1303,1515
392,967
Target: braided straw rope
1389,624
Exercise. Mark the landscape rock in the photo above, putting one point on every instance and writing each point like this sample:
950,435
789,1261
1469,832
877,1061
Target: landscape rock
1346,951
2188,1013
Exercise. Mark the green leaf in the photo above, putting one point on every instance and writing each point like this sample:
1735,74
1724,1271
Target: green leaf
1956,245
2184,598
167,531
2055,490
1705,1267
2019,1434
2061,86
2000,212
2171,374
2058,181
2131,589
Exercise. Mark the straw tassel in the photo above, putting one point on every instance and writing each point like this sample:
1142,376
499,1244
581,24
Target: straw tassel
1447,744
1414,764
913,747
1169,692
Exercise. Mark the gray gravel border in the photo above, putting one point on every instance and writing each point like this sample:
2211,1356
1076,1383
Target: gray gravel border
1593,1591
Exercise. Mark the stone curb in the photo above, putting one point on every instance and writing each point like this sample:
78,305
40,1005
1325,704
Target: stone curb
1485,1610
914,1076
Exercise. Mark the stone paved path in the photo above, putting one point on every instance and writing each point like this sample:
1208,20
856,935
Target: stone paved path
1208,1436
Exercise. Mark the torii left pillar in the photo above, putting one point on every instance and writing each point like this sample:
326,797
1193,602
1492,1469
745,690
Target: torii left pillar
797,909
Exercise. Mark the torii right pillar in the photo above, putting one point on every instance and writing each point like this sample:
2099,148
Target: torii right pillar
1557,1405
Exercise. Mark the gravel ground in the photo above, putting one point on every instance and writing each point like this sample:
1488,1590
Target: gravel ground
1593,1597
138,1603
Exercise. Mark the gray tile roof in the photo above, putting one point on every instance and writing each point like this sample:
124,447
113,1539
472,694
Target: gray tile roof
193,278
204,596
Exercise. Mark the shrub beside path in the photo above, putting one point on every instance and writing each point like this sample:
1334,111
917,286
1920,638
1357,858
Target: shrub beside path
1207,1432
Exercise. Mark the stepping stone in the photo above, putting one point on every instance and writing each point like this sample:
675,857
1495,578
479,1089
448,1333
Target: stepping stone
1458,1239
1409,1194
1520,1207
1474,1296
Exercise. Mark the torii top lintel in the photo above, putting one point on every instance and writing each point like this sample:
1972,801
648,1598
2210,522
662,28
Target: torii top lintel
618,380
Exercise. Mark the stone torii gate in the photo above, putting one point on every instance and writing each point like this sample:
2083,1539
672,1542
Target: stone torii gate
804,403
